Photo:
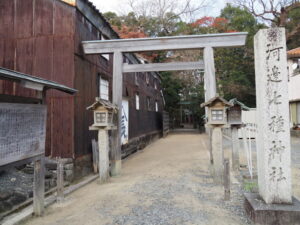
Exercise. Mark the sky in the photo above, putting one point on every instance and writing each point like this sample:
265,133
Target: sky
121,7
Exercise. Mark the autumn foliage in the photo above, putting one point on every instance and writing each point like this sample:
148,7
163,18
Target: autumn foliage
220,24
129,32
126,32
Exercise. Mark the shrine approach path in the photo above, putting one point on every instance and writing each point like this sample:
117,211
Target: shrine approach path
166,183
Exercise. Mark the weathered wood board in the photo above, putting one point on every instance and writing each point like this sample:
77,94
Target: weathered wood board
22,131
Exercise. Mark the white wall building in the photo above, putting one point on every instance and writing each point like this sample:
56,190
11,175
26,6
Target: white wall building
294,85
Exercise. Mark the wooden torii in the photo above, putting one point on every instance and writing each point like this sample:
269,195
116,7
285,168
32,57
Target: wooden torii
120,46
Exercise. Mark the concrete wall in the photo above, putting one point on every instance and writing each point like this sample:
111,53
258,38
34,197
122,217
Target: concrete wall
294,93
294,82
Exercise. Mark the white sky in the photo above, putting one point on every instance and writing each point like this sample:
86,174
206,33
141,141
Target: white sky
121,7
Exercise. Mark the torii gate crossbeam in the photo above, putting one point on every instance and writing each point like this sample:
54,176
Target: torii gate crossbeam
157,67
164,43
120,46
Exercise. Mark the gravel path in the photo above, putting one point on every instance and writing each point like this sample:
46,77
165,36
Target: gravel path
167,183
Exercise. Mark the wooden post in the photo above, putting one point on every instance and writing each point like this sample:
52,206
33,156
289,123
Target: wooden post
60,180
117,100
39,186
235,148
103,155
226,180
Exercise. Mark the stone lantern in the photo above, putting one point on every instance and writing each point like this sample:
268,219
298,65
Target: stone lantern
217,119
234,114
105,114
217,115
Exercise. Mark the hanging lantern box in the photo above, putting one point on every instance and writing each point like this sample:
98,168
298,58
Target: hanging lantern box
234,114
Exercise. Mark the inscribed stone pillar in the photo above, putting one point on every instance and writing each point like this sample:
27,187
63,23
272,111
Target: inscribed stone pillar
218,154
235,148
273,142
103,155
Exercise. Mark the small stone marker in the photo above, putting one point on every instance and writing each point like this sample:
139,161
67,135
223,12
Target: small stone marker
235,148
273,139
60,180
226,180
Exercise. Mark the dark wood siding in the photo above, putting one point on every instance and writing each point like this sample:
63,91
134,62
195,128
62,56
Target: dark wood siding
87,70
143,121
36,37
43,38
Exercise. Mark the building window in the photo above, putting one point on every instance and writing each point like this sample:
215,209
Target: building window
147,78
156,106
148,103
137,101
136,79
104,89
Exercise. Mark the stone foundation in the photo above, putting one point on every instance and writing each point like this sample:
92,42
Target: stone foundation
83,166
16,184
295,133
139,143
271,214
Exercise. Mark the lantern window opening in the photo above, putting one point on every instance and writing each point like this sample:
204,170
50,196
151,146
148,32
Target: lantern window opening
217,114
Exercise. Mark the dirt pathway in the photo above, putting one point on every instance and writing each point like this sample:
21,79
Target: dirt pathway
167,183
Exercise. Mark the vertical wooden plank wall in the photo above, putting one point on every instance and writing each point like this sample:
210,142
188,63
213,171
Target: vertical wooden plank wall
43,38
36,37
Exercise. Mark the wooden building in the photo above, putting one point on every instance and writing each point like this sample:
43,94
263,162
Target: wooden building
43,38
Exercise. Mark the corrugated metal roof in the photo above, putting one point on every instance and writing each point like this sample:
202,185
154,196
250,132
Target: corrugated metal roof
294,53
19,77
234,101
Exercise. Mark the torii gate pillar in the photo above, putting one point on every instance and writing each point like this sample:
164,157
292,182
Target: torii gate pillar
116,161
209,73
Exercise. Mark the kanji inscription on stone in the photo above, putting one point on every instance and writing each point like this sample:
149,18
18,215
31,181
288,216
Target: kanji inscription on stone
22,131
273,139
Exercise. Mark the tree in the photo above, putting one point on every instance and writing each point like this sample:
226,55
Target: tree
284,13
171,89
167,13
235,66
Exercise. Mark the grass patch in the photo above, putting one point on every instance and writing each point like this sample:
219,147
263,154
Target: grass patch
250,186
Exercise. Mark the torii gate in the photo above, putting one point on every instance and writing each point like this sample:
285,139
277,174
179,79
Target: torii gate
120,46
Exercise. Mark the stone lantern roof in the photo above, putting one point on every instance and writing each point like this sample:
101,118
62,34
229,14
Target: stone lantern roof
104,103
216,99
